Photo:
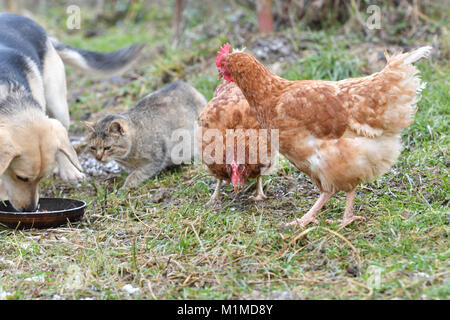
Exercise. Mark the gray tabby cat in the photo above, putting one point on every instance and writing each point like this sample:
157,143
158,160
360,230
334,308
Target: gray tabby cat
140,139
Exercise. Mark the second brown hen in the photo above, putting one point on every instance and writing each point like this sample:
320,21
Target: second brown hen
226,114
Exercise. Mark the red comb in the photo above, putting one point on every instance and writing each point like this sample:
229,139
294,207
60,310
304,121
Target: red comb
223,52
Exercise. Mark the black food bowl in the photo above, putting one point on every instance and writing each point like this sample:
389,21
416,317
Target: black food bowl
52,212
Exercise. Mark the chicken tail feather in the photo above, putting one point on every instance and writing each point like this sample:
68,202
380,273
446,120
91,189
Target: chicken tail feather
413,56
405,88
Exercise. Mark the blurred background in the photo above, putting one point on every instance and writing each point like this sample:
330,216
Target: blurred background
297,39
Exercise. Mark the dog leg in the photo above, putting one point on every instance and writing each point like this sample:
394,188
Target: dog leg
54,75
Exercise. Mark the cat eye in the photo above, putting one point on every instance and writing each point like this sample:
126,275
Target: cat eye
22,179
93,148
106,148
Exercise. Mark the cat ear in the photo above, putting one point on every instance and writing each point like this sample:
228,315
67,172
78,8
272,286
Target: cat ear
118,127
89,125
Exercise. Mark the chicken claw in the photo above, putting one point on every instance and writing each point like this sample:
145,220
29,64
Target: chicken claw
311,214
348,214
215,198
302,222
258,197
213,203
347,220
259,194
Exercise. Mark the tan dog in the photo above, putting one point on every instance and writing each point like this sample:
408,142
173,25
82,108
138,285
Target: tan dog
30,143
33,83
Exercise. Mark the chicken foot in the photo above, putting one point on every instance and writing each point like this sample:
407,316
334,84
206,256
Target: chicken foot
310,215
324,197
348,214
215,198
259,194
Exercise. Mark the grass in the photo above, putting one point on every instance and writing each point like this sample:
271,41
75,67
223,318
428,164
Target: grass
177,248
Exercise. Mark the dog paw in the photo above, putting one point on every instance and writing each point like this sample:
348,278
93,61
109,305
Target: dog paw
66,171
71,174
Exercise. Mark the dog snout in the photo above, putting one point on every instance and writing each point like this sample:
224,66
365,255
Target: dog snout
32,205
24,199
21,207
29,208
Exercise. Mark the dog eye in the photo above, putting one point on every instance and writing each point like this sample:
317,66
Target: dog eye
22,179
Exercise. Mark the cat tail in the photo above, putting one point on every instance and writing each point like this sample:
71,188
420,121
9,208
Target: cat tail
101,64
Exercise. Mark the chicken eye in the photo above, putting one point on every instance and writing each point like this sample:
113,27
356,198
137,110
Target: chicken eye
22,178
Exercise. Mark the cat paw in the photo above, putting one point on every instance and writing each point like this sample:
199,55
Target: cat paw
128,186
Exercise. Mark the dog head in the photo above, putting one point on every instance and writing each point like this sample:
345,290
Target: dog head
29,144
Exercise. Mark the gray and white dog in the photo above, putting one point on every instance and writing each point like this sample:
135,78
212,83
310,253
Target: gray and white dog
32,86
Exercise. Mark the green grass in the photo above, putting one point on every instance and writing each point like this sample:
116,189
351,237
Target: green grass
179,248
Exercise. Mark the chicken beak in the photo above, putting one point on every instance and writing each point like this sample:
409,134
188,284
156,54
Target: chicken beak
236,189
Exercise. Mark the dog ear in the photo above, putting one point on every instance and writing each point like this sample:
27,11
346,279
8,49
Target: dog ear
64,144
8,152
118,127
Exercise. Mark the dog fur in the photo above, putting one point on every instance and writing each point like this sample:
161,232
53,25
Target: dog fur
32,88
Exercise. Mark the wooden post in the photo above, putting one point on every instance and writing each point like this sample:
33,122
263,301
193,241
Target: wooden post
12,6
265,17
176,22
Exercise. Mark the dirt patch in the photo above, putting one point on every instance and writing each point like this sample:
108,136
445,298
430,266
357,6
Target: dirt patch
98,169
91,166
161,195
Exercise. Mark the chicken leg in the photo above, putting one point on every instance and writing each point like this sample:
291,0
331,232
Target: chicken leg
310,215
348,214
259,194
215,198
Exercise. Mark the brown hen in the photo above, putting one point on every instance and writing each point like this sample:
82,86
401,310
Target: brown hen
340,133
228,116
